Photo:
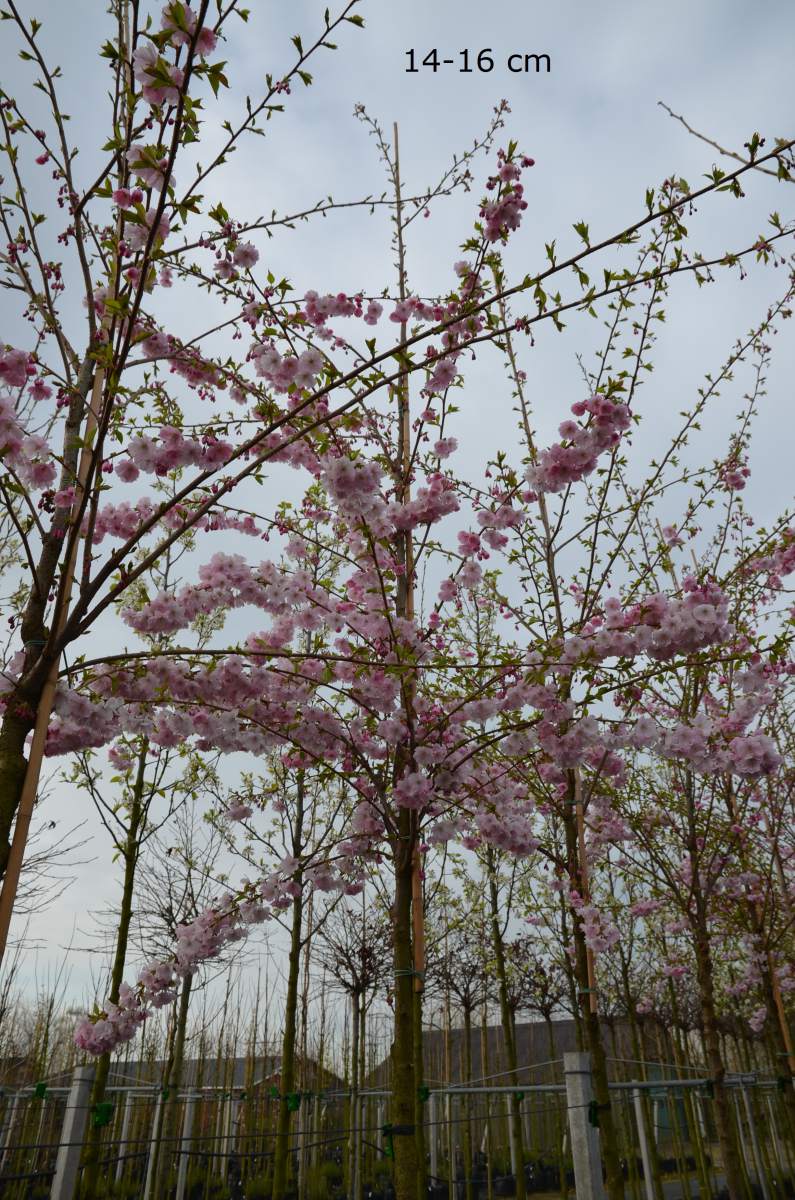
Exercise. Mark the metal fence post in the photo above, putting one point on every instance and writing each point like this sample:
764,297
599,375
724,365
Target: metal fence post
317,1114
9,1115
648,1181
433,1135
774,1133
124,1136
185,1141
67,1164
585,1151
511,1136
151,1162
760,1166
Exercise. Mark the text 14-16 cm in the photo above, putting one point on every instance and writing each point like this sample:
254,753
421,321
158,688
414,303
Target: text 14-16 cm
468,61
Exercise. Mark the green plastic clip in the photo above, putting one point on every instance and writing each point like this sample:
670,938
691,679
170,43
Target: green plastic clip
101,1113
40,1090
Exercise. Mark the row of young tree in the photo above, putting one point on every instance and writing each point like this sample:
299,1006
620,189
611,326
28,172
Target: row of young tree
571,661
244,1043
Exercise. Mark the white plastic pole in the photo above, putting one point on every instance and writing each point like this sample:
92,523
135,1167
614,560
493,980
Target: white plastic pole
585,1151
67,1164
433,1134
153,1144
125,1133
648,1182
10,1120
187,1138
760,1167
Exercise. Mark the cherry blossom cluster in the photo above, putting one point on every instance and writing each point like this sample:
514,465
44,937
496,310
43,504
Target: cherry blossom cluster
101,1032
123,520
317,309
578,453
228,581
285,371
780,562
510,827
504,215
712,742
26,454
149,163
244,256
659,626
355,485
198,941
733,476
16,367
160,80
599,929
171,451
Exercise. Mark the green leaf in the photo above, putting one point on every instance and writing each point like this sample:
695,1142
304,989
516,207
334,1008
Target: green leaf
216,76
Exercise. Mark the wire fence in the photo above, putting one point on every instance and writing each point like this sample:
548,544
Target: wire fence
212,1144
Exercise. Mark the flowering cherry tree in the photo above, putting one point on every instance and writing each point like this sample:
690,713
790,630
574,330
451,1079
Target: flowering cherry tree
348,649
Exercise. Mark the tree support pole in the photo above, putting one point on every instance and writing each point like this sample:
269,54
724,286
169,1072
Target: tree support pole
584,1133
67,1164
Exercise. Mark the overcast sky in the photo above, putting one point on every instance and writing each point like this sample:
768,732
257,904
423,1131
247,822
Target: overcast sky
599,139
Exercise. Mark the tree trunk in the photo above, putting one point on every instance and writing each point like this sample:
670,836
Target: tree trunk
485,1071
130,852
640,1059
20,714
354,1183
506,1014
466,1106
281,1154
14,730
169,1124
419,1075
404,1080
592,1035
724,1124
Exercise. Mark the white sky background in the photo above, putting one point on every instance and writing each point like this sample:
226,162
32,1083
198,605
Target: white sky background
599,140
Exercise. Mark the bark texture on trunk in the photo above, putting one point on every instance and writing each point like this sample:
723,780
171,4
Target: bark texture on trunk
404,1079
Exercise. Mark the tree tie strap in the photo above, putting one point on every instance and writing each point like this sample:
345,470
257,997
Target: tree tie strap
101,1113
390,1131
